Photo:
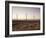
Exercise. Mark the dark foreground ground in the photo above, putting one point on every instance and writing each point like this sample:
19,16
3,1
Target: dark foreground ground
23,25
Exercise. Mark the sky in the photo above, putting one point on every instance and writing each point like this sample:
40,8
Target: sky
20,13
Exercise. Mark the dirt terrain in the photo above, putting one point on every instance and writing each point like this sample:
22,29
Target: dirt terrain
24,25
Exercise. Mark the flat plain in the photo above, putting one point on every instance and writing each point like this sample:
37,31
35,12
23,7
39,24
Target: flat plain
25,25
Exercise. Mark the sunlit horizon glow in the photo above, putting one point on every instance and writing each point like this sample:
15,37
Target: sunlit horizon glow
23,13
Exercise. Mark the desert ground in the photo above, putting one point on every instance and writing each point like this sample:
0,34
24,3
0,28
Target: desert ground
25,25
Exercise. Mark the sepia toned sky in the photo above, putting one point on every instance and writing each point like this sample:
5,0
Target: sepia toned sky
20,13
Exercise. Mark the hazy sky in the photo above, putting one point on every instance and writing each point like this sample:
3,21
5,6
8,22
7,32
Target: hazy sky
20,13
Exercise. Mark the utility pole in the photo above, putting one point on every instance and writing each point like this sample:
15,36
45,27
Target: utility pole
34,16
16,17
26,16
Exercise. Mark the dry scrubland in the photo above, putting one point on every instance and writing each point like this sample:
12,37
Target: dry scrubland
24,25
